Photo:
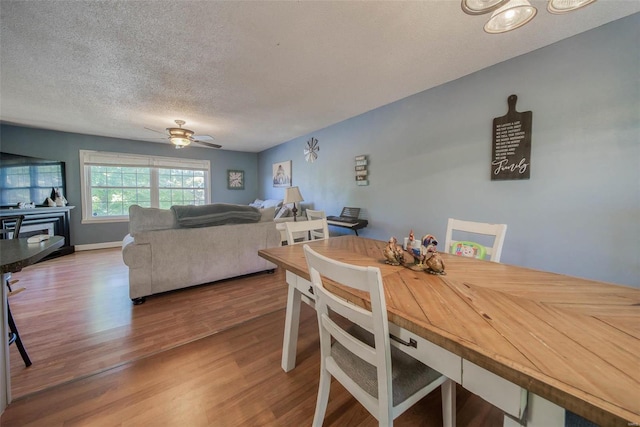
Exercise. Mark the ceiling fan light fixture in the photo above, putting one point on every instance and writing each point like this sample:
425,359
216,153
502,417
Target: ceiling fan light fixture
180,137
479,7
563,6
512,15
179,141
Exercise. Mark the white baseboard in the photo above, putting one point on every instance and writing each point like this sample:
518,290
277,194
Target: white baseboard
93,246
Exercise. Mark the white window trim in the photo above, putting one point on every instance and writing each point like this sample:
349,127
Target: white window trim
105,158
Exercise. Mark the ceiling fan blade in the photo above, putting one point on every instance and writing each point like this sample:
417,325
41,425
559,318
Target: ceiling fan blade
208,144
205,138
153,130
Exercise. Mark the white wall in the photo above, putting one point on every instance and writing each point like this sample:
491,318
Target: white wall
429,155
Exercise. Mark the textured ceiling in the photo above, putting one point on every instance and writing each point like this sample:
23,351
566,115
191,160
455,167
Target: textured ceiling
251,74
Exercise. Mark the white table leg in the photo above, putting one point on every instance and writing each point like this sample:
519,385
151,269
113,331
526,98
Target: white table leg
291,323
448,403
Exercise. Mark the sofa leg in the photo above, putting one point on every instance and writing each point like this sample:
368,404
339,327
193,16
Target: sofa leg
138,301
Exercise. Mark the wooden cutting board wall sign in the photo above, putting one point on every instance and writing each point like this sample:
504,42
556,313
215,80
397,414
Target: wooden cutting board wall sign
511,148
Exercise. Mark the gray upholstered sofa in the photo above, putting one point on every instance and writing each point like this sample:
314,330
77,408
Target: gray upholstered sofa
162,255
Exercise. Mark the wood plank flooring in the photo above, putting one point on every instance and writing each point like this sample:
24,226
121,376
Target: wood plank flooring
204,356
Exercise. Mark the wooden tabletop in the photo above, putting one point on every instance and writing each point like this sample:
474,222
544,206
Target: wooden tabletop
572,341
15,254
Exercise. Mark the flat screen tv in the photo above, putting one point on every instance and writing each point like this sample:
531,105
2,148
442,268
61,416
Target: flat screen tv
29,179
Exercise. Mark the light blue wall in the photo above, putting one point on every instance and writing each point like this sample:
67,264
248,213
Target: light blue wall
429,155
65,146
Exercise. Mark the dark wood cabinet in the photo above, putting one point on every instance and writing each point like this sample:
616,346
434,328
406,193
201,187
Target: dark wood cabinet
52,221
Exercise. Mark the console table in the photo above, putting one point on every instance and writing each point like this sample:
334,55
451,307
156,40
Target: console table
44,220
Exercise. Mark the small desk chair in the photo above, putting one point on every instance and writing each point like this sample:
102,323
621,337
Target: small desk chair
311,215
474,249
309,227
13,232
385,380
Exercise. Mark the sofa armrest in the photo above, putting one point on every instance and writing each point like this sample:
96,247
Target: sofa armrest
137,257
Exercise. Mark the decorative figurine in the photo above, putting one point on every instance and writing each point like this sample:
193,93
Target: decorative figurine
393,253
418,251
413,247
433,261
57,197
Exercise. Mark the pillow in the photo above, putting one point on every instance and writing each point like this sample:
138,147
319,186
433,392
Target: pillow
148,219
283,212
267,214
257,203
271,202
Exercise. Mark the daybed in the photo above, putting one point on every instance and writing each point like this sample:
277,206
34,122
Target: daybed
169,249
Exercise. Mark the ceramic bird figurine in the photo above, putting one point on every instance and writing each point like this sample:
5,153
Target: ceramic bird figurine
393,253
434,263
421,252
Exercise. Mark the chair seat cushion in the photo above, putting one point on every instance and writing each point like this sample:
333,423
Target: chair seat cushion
408,374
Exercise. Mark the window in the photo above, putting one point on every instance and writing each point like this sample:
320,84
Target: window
111,182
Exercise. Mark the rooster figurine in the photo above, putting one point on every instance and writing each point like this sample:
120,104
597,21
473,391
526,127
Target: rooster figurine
433,260
393,253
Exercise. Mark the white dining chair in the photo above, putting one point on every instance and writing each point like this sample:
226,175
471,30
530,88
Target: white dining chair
385,380
315,214
476,249
294,230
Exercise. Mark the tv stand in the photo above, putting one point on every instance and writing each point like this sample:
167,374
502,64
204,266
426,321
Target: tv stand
45,220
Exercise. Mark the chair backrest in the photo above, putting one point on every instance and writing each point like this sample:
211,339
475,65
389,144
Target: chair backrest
470,248
308,226
311,215
366,279
9,231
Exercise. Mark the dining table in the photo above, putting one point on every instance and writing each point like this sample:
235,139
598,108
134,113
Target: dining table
15,254
533,343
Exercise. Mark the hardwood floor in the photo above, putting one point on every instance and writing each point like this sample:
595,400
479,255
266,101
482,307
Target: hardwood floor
204,356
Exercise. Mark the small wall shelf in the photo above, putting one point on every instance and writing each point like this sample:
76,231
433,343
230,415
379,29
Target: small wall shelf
361,170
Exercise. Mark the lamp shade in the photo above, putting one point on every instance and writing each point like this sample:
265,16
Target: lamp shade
478,7
512,15
564,6
292,195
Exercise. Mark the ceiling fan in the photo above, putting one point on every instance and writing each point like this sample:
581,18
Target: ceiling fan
181,137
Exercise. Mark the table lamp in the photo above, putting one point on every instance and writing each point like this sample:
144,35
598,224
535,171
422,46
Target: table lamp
292,195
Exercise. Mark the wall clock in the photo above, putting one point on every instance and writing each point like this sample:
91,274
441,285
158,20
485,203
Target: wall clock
311,152
235,180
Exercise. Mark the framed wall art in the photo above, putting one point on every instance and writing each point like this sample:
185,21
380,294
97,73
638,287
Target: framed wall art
282,174
235,179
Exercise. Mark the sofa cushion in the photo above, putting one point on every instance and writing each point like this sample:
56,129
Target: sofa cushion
257,203
282,212
148,219
189,216
267,214
271,202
